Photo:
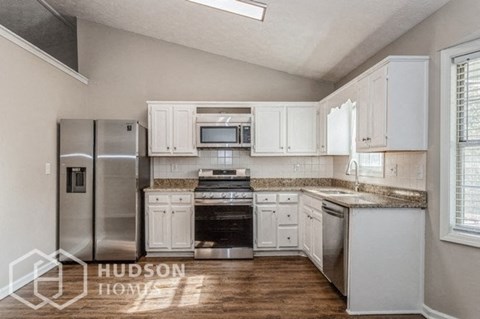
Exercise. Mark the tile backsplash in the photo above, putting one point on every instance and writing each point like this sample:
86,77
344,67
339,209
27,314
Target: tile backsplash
260,167
402,169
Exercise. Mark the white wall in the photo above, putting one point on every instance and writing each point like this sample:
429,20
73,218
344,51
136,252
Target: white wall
33,96
260,167
126,69
452,283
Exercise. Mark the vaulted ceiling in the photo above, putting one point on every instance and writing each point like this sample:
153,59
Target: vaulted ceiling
321,39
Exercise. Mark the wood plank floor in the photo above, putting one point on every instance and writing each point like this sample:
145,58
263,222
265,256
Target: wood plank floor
283,287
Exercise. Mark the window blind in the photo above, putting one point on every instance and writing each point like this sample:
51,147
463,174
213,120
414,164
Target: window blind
467,215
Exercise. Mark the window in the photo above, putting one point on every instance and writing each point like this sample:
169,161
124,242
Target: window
369,164
460,153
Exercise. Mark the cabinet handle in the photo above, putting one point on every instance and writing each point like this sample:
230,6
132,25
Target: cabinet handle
369,139
364,139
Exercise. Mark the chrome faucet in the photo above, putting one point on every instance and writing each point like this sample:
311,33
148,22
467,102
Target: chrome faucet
347,172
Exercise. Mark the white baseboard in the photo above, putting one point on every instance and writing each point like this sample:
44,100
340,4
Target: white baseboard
429,313
380,312
277,253
25,280
166,254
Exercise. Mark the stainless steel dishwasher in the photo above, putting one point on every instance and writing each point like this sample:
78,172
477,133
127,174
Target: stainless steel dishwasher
335,244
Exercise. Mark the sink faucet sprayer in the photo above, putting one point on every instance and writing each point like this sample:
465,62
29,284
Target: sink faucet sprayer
347,172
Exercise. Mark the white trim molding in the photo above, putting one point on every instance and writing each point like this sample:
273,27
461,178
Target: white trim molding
25,280
9,35
429,313
448,146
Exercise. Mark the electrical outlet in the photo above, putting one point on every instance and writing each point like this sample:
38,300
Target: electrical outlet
296,167
392,170
420,172
48,169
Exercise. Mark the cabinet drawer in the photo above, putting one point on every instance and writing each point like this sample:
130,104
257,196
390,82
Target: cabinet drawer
266,198
181,199
288,236
287,198
287,215
158,199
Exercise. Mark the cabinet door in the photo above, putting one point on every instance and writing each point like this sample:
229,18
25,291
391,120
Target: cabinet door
181,227
317,249
301,130
158,227
269,130
160,130
307,230
322,128
266,226
183,130
363,118
378,105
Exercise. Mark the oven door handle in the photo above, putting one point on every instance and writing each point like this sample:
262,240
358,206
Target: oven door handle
222,203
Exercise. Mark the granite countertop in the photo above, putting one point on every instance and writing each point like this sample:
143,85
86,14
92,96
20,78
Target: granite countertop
173,185
364,200
158,189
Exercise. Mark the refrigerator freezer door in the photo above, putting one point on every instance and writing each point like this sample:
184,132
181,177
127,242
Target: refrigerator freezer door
76,188
116,214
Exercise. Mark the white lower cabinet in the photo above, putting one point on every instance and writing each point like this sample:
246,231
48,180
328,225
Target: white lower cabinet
312,241
276,221
169,222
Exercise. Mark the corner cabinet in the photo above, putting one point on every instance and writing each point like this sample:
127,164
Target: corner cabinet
171,130
169,222
392,106
285,130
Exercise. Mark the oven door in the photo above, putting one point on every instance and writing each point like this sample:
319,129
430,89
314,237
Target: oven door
218,135
223,231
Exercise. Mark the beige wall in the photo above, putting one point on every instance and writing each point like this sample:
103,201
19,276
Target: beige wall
126,69
452,279
33,95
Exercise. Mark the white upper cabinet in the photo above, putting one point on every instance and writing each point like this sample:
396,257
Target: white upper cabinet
285,130
339,129
392,105
171,130
269,130
301,130
322,128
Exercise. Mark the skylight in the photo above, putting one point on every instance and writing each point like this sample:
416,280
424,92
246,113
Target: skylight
246,8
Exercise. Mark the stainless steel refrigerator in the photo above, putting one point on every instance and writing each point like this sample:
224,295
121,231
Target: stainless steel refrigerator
103,167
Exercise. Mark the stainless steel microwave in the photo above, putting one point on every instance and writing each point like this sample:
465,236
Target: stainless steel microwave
224,130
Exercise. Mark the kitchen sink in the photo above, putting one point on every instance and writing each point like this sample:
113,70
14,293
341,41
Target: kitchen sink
336,192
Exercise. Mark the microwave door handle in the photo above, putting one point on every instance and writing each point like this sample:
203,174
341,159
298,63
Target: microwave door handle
239,133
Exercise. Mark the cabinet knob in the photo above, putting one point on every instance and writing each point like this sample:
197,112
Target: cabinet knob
281,147
364,139
164,212
369,139
274,212
180,199
288,216
289,148
288,238
174,147
168,147
288,198
173,212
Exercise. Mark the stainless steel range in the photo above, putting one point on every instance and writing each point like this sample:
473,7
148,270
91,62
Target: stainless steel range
224,215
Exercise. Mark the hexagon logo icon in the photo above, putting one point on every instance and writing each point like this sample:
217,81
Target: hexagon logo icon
40,262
